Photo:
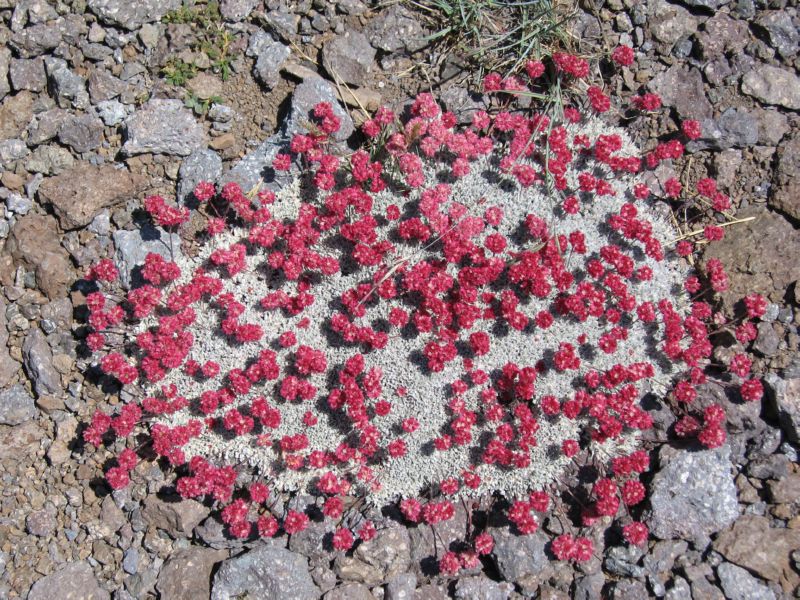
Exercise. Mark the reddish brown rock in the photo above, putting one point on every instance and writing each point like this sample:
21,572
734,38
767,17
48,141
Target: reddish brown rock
751,543
79,194
33,244
758,255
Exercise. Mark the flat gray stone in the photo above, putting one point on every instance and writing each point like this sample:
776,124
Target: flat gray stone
178,518
780,31
669,23
163,127
38,361
265,573
783,397
693,494
74,581
681,88
773,85
28,74
112,112
16,406
305,97
518,556
237,10
271,57
68,88
133,246
735,128
349,57
482,588
132,15
82,133
201,165
738,584
5,60
401,587
187,573
396,28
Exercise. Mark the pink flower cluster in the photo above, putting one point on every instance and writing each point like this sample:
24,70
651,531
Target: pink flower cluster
449,275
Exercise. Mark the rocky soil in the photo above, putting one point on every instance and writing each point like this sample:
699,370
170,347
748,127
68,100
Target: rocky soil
89,125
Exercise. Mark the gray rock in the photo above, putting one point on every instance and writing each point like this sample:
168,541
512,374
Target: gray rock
133,246
349,57
163,127
149,34
783,398
395,29
271,57
112,112
305,97
49,160
68,88
38,361
284,22
735,128
73,581
104,86
28,74
693,494
389,551
202,165
18,204
131,15
709,4
481,588
681,88
785,195
258,39
187,573
11,151
16,406
461,103
722,35
5,59
518,556
781,33
738,584
669,23
176,518
773,85
130,560
622,560
401,587
82,133
772,126
662,555
680,589
220,113
767,341
45,125
311,541
589,587
628,589
37,40
237,10
349,591
265,573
